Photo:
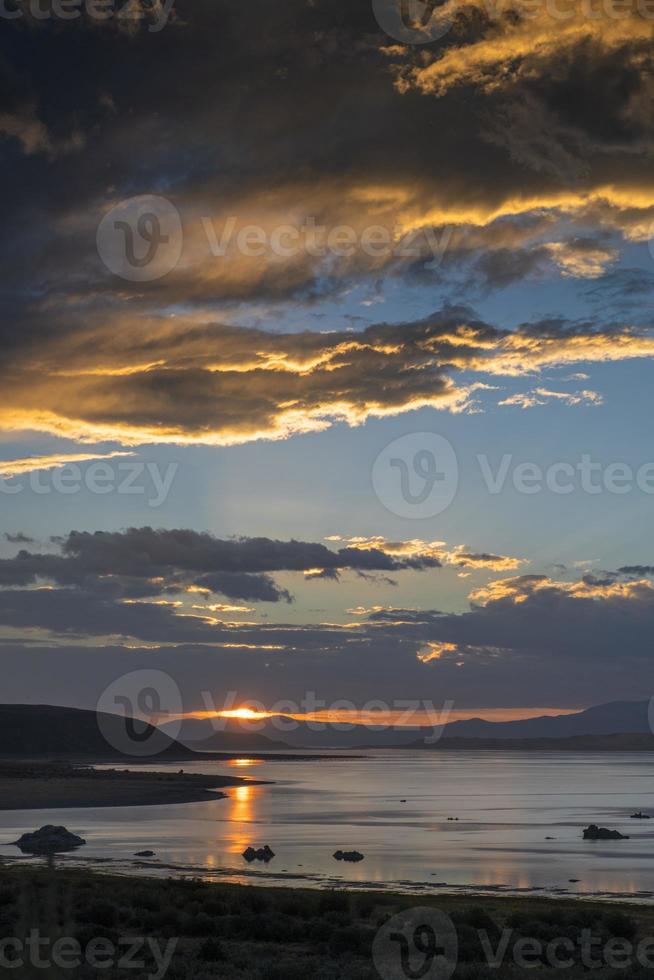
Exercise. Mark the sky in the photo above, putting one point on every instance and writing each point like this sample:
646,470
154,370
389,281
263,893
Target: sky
327,352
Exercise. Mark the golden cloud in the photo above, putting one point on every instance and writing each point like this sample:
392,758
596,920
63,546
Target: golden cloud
31,464
459,557
519,39
212,384
518,590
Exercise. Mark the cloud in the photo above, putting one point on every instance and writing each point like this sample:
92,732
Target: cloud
547,69
537,634
582,258
21,123
27,129
524,640
149,564
418,554
542,396
32,464
587,172
517,43
222,385
18,538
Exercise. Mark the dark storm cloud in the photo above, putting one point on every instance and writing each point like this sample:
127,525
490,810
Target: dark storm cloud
82,613
144,551
184,112
524,641
561,86
240,585
504,266
143,562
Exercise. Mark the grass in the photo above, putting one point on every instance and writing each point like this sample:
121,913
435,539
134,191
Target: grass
252,933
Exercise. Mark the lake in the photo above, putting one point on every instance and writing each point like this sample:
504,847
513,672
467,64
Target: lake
471,822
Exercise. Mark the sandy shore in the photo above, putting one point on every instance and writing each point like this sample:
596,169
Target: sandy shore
52,786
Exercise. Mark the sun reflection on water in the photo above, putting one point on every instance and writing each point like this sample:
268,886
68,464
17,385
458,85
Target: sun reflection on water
241,813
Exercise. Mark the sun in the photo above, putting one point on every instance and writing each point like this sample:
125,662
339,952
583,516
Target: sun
245,714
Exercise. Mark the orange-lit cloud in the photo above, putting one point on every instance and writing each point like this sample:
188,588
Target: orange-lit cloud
460,556
519,590
31,464
541,396
522,38
272,386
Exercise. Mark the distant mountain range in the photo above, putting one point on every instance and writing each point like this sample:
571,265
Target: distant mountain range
615,718
45,731
605,719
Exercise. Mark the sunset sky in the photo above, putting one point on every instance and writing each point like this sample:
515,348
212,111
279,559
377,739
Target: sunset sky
482,271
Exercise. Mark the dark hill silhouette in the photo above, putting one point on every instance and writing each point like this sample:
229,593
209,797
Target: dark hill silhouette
38,731
236,742
201,735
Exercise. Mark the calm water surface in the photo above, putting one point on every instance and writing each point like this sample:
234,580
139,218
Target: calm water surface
507,805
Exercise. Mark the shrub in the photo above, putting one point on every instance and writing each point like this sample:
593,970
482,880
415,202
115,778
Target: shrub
620,925
211,951
100,913
197,925
352,939
333,901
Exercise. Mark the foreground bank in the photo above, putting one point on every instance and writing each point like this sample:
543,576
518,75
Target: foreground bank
78,924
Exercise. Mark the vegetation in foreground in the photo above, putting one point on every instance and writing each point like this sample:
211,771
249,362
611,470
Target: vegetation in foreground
252,933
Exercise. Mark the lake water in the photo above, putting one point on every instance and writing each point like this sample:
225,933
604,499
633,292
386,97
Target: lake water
507,805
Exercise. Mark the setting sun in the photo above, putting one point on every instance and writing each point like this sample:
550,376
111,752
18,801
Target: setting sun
245,714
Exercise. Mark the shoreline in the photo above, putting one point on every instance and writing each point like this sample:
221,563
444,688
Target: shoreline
154,870
369,889
53,786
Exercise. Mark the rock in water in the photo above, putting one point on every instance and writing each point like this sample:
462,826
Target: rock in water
353,856
258,854
602,833
144,854
639,816
49,840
